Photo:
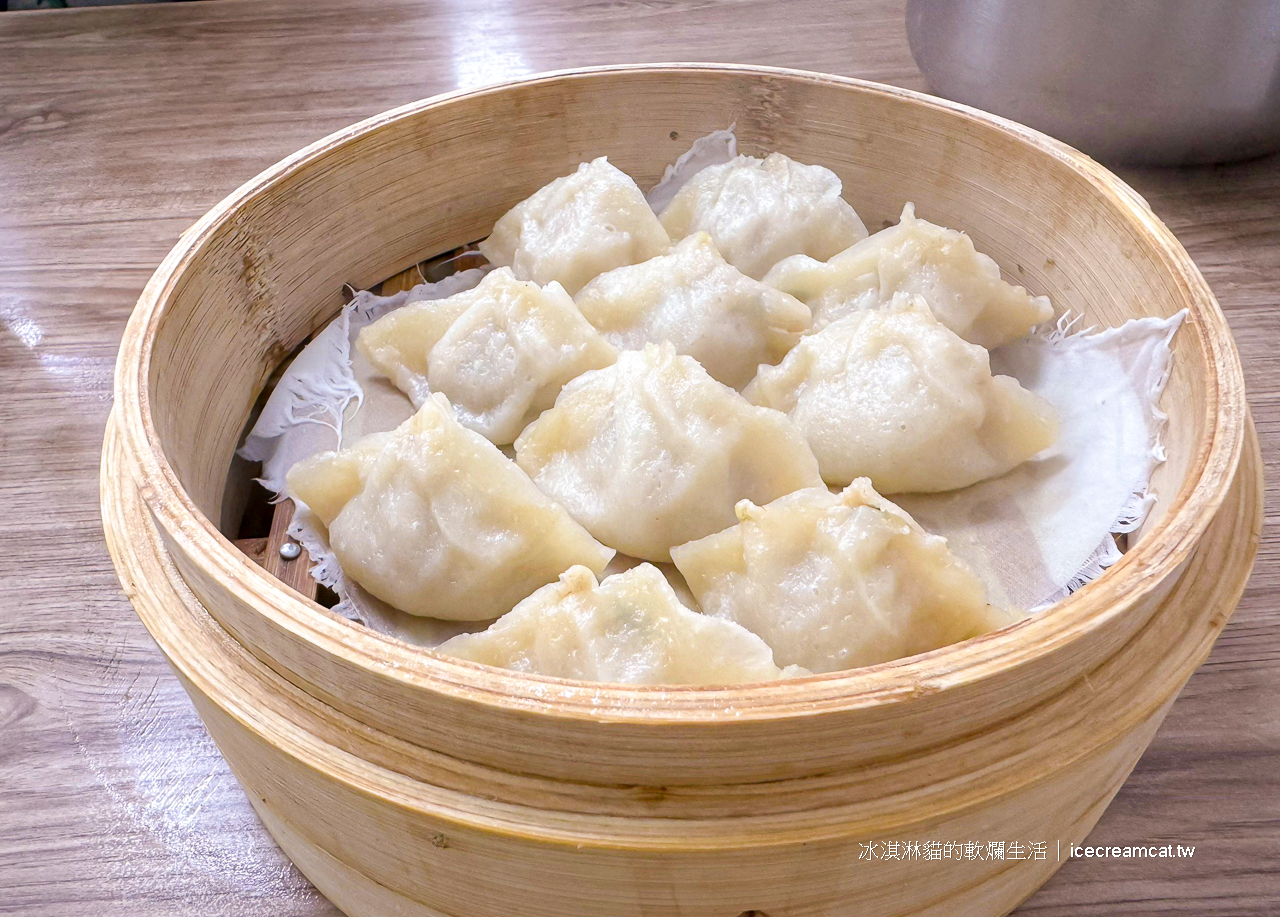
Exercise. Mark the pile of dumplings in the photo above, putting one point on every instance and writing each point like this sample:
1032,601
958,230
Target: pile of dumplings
651,448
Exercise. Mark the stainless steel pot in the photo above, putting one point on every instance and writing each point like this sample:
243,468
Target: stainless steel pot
1139,81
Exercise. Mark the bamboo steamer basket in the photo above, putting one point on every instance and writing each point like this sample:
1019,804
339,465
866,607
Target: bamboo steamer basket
401,781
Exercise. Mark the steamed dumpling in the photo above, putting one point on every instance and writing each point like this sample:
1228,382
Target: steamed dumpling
578,226
961,285
652,452
837,581
501,360
628,629
759,211
892,395
398,344
433,519
702,304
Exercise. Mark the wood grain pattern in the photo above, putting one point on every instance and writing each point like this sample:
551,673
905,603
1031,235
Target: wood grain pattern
293,572
112,800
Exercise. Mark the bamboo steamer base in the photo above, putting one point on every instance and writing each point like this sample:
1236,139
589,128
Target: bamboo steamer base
377,841
357,895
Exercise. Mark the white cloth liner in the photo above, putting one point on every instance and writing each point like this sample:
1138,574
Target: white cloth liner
1034,535
1043,530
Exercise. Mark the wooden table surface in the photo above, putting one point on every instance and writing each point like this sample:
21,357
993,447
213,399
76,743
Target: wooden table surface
119,127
